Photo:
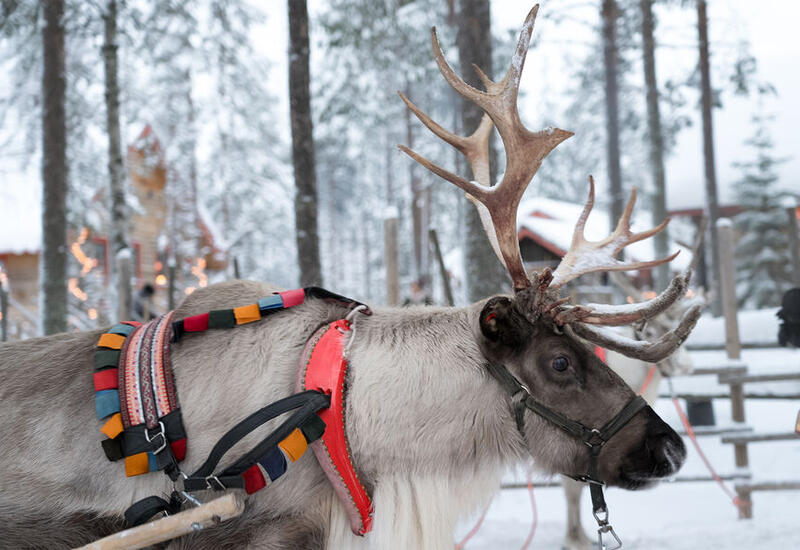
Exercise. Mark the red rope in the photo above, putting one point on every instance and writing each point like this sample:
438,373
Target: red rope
534,521
534,511
474,529
690,432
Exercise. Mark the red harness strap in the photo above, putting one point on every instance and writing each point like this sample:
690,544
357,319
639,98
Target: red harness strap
323,368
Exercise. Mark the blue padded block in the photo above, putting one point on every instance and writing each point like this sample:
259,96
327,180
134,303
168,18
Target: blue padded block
274,463
152,463
106,403
270,302
122,329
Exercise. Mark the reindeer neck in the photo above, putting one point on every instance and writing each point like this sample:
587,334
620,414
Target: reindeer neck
419,398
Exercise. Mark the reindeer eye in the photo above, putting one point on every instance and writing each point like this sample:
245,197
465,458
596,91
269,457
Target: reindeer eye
560,363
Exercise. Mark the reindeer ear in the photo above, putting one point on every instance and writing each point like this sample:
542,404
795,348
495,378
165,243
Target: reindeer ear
501,322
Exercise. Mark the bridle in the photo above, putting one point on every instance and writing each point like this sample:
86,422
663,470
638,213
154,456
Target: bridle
593,438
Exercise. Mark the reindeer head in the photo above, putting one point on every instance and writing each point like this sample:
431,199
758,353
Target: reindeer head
535,334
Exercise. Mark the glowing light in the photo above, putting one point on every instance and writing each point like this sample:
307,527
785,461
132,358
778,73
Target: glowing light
198,271
72,286
629,299
92,313
161,280
649,295
189,290
87,263
158,266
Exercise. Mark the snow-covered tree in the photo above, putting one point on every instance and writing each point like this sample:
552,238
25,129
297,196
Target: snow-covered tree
762,251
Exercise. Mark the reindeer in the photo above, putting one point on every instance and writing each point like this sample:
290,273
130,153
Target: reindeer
440,401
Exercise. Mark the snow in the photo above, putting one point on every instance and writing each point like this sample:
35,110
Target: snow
554,221
20,216
390,212
724,222
756,327
216,235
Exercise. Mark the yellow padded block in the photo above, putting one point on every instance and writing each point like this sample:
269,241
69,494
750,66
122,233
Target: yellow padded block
112,341
294,445
137,464
247,314
113,427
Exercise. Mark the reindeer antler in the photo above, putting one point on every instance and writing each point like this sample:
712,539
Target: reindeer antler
525,150
589,257
497,207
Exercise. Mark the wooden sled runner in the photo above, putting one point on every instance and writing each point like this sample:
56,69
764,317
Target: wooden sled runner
209,514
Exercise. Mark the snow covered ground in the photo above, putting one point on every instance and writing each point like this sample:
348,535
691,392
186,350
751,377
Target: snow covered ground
689,515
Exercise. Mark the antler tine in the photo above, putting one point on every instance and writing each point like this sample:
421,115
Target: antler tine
470,187
476,150
589,257
651,352
619,315
475,147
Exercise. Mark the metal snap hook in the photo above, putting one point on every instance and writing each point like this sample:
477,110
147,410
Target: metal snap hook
608,529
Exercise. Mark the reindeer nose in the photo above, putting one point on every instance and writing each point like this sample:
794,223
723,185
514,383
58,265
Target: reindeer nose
665,447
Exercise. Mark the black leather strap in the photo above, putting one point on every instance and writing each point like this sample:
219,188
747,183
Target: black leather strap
261,416
595,439
143,510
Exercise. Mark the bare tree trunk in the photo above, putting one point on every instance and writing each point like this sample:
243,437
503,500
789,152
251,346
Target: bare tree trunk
609,14
53,278
448,291
656,142
484,274
120,248
712,207
305,204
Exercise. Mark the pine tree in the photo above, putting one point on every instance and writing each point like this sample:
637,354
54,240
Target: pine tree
762,258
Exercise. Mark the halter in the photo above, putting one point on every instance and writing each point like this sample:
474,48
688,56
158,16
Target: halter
593,438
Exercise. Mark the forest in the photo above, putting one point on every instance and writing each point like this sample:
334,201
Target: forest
152,148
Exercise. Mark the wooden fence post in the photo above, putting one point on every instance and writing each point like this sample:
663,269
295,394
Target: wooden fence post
390,246
727,291
3,313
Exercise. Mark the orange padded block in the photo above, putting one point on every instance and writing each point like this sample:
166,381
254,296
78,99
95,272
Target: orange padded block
112,341
113,427
246,314
137,464
294,445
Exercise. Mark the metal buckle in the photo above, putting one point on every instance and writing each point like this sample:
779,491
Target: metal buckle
603,528
594,439
160,433
216,479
